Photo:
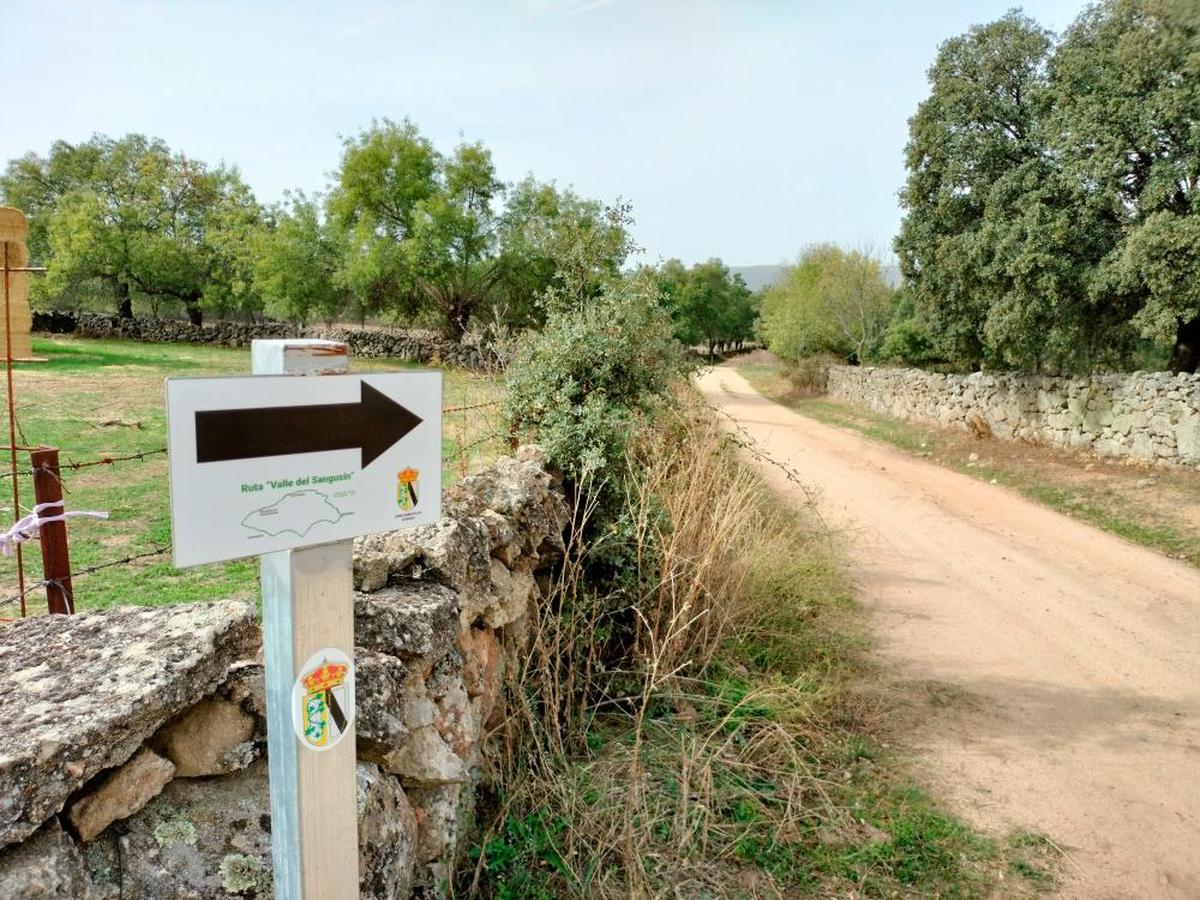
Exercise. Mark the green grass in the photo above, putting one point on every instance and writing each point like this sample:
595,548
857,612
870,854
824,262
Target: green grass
98,398
1111,502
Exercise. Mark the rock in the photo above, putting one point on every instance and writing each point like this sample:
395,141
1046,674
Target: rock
1187,438
507,601
199,838
83,692
454,550
247,687
454,718
502,536
407,620
435,820
443,815
371,568
120,794
480,648
212,738
425,760
521,490
381,681
47,865
483,671
212,838
387,835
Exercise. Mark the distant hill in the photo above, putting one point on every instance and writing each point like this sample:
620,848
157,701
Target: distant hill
758,277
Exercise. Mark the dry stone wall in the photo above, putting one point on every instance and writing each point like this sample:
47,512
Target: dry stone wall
1150,416
133,764
408,344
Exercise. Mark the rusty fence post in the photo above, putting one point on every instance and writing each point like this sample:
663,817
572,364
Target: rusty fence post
56,560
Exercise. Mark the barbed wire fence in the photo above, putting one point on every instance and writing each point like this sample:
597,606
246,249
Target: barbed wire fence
472,433
58,578
475,431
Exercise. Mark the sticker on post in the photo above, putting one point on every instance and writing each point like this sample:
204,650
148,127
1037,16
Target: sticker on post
323,699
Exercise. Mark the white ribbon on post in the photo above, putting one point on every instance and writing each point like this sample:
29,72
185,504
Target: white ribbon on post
26,528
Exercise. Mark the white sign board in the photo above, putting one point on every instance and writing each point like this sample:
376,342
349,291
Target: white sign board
266,463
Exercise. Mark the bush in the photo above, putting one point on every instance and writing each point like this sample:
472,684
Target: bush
809,377
580,386
831,301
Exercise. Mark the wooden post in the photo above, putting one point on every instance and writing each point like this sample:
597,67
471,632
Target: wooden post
56,559
308,609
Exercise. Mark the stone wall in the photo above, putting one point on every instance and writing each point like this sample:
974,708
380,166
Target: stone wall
1151,416
132,764
415,345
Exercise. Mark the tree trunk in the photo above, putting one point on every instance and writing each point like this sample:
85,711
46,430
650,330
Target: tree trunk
457,315
124,300
1186,356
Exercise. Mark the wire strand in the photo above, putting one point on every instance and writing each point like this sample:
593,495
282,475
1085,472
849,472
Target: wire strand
86,570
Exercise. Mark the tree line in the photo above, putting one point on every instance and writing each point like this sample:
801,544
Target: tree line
405,233
1052,217
1051,210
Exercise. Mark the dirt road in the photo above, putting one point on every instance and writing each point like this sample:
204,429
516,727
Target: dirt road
1072,659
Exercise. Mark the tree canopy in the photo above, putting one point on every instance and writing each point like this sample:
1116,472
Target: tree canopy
1051,193
129,216
831,301
710,305
405,233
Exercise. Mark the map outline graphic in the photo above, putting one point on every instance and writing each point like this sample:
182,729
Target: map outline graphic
272,509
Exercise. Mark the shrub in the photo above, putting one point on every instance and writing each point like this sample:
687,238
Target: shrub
831,301
580,386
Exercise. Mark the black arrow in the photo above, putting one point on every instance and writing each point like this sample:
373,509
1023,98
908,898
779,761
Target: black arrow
373,425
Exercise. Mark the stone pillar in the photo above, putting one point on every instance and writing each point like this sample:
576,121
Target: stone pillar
13,231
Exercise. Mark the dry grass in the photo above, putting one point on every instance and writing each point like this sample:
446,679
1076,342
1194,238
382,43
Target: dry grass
700,731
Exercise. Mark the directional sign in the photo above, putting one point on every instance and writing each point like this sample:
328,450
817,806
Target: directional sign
269,463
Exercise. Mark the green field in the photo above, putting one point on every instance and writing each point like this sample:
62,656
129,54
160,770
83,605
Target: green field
95,399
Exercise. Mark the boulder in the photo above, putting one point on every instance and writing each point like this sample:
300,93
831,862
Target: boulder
83,692
120,794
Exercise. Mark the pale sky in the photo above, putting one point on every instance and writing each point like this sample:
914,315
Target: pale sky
743,130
